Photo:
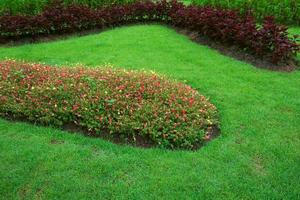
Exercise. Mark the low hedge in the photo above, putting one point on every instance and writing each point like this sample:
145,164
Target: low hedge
268,41
128,104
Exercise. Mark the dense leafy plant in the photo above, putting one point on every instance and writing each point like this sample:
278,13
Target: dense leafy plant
229,27
226,26
127,103
285,11
33,7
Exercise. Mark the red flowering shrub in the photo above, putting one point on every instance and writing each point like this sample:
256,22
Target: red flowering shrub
270,41
127,103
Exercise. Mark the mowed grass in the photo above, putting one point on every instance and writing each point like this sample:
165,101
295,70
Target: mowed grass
257,155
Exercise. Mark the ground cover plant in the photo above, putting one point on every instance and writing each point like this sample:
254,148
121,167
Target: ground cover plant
269,41
285,11
255,157
121,103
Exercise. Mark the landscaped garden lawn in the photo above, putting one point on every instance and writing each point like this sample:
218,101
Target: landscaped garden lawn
255,157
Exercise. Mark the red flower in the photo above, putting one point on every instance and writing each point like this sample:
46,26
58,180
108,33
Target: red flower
191,101
75,107
121,87
3,98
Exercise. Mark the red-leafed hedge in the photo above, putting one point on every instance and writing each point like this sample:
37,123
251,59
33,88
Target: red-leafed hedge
128,104
227,26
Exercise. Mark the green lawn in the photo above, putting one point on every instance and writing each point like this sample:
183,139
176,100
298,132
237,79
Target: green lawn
187,2
256,157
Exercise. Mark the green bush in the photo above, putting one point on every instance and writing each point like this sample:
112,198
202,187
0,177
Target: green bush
33,7
285,11
128,104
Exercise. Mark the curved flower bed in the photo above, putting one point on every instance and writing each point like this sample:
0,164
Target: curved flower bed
269,41
126,104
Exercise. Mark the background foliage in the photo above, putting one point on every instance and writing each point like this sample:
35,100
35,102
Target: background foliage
32,7
285,11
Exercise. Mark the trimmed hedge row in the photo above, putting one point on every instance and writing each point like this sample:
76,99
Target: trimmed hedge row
129,104
227,26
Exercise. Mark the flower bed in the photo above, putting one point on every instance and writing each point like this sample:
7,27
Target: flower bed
127,104
269,41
